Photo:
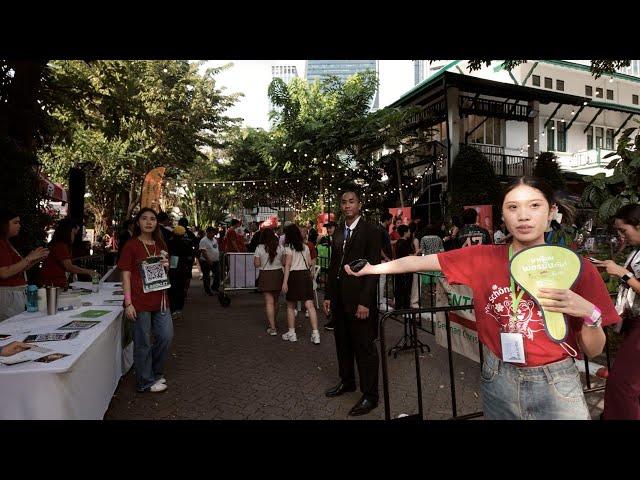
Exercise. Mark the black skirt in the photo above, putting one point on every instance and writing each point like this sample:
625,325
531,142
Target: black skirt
270,280
300,286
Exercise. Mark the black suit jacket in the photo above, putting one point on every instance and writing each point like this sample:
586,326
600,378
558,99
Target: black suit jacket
364,243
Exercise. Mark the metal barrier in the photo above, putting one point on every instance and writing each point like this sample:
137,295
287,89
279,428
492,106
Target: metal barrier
93,262
238,274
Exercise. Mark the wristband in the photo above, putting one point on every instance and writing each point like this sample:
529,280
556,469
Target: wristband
595,319
127,296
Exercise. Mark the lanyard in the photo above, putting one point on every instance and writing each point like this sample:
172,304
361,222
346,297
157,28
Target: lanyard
145,247
515,299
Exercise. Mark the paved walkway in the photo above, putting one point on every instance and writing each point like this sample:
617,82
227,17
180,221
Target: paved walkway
224,366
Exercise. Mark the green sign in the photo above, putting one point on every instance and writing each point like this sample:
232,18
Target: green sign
547,266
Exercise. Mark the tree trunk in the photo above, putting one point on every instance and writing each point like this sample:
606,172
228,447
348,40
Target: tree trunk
134,198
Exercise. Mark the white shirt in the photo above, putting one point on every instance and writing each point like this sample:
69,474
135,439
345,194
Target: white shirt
263,255
297,261
211,247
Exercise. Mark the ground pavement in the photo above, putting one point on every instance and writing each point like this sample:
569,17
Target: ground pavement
223,366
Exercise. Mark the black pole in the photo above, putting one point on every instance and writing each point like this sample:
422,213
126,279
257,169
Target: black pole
452,378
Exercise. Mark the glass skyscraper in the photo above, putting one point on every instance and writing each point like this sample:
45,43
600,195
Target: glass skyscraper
343,69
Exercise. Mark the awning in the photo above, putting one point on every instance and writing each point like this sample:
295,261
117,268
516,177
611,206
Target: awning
52,190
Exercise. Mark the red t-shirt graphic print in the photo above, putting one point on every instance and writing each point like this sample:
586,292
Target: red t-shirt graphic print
485,268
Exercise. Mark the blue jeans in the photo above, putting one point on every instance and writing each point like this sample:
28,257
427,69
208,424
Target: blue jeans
548,392
149,359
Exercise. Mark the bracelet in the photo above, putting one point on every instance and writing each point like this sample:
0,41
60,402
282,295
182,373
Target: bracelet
127,296
595,320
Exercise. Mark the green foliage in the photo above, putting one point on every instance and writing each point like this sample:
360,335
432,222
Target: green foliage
473,182
608,194
598,67
547,168
128,117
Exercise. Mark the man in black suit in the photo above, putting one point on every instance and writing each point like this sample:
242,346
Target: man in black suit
352,303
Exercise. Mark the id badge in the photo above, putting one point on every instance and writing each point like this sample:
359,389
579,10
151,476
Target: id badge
154,276
512,347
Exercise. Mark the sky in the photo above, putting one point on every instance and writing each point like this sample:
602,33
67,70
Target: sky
252,77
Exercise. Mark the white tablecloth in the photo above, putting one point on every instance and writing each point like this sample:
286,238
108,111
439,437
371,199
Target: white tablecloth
79,386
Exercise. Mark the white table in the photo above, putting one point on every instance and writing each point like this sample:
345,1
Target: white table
79,386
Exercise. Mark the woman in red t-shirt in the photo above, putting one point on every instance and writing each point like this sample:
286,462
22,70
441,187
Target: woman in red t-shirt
148,310
547,385
13,277
58,264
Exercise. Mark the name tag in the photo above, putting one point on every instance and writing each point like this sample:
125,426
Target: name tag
154,276
512,347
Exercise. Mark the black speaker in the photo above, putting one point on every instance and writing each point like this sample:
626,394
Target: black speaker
76,194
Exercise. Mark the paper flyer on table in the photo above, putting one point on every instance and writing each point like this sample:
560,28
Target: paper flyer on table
79,325
50,337
34,353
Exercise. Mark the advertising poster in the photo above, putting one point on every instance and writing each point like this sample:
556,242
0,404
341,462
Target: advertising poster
321,220
401,216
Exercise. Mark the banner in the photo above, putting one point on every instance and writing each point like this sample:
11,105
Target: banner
485,216
321,220
401,216
464,335
152,189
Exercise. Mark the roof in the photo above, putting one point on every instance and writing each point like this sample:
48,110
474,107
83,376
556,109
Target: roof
489,87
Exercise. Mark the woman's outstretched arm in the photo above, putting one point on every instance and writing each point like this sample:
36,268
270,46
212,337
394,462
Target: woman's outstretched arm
408,264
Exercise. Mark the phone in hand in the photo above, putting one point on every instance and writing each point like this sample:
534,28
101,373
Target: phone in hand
593,260
358,265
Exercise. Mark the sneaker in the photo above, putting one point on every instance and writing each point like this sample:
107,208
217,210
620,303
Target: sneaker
157,387
329,326
291,336
295,312
272,331
306,314
161,380
315,338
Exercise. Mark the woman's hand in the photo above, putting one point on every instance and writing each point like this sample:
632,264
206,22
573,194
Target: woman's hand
13,348
612,267
565,301
130,311
38,254
285,288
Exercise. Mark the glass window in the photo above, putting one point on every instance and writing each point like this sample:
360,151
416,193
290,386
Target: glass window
488,128
548,82
609,139
599,137
609,94
562,137
560,85
551,146
588,90
635,99
590,138
535,80
599,92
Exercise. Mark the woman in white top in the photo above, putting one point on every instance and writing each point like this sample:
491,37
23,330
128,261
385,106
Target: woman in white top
268,258
298,284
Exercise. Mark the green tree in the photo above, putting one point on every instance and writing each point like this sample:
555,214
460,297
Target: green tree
608,194
547,168
473,182
598,67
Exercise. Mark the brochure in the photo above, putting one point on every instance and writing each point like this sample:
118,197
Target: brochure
91,314
51,337
34,353
79,325
4,336
52,357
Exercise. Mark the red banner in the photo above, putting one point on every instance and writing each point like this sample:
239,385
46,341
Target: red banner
485,216
401,216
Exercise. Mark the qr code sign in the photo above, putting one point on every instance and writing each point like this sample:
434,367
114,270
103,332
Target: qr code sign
154,272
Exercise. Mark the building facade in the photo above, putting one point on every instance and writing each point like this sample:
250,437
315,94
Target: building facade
539,106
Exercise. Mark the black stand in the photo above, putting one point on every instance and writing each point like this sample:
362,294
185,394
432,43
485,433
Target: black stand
410,340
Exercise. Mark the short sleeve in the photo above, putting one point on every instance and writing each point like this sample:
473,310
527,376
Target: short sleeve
287,251
591,287
127,258
201,245
459,265
258,251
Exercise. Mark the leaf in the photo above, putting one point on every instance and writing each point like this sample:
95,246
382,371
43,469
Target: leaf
608,208
610,154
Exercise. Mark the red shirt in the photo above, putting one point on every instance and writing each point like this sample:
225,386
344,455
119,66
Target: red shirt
53,272
133,253
8,257
485,268
312,249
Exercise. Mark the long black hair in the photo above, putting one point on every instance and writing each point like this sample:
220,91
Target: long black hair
6,216
270,241
293,237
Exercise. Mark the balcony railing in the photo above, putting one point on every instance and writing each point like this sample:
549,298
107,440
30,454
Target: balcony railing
506,165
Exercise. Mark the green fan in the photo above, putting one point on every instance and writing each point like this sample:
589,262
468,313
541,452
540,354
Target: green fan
547,266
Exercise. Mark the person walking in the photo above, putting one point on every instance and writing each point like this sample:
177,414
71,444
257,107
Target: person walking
268,258
210,261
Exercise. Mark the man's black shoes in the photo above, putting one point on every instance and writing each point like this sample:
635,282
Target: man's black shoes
340,389
363,407
329,325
